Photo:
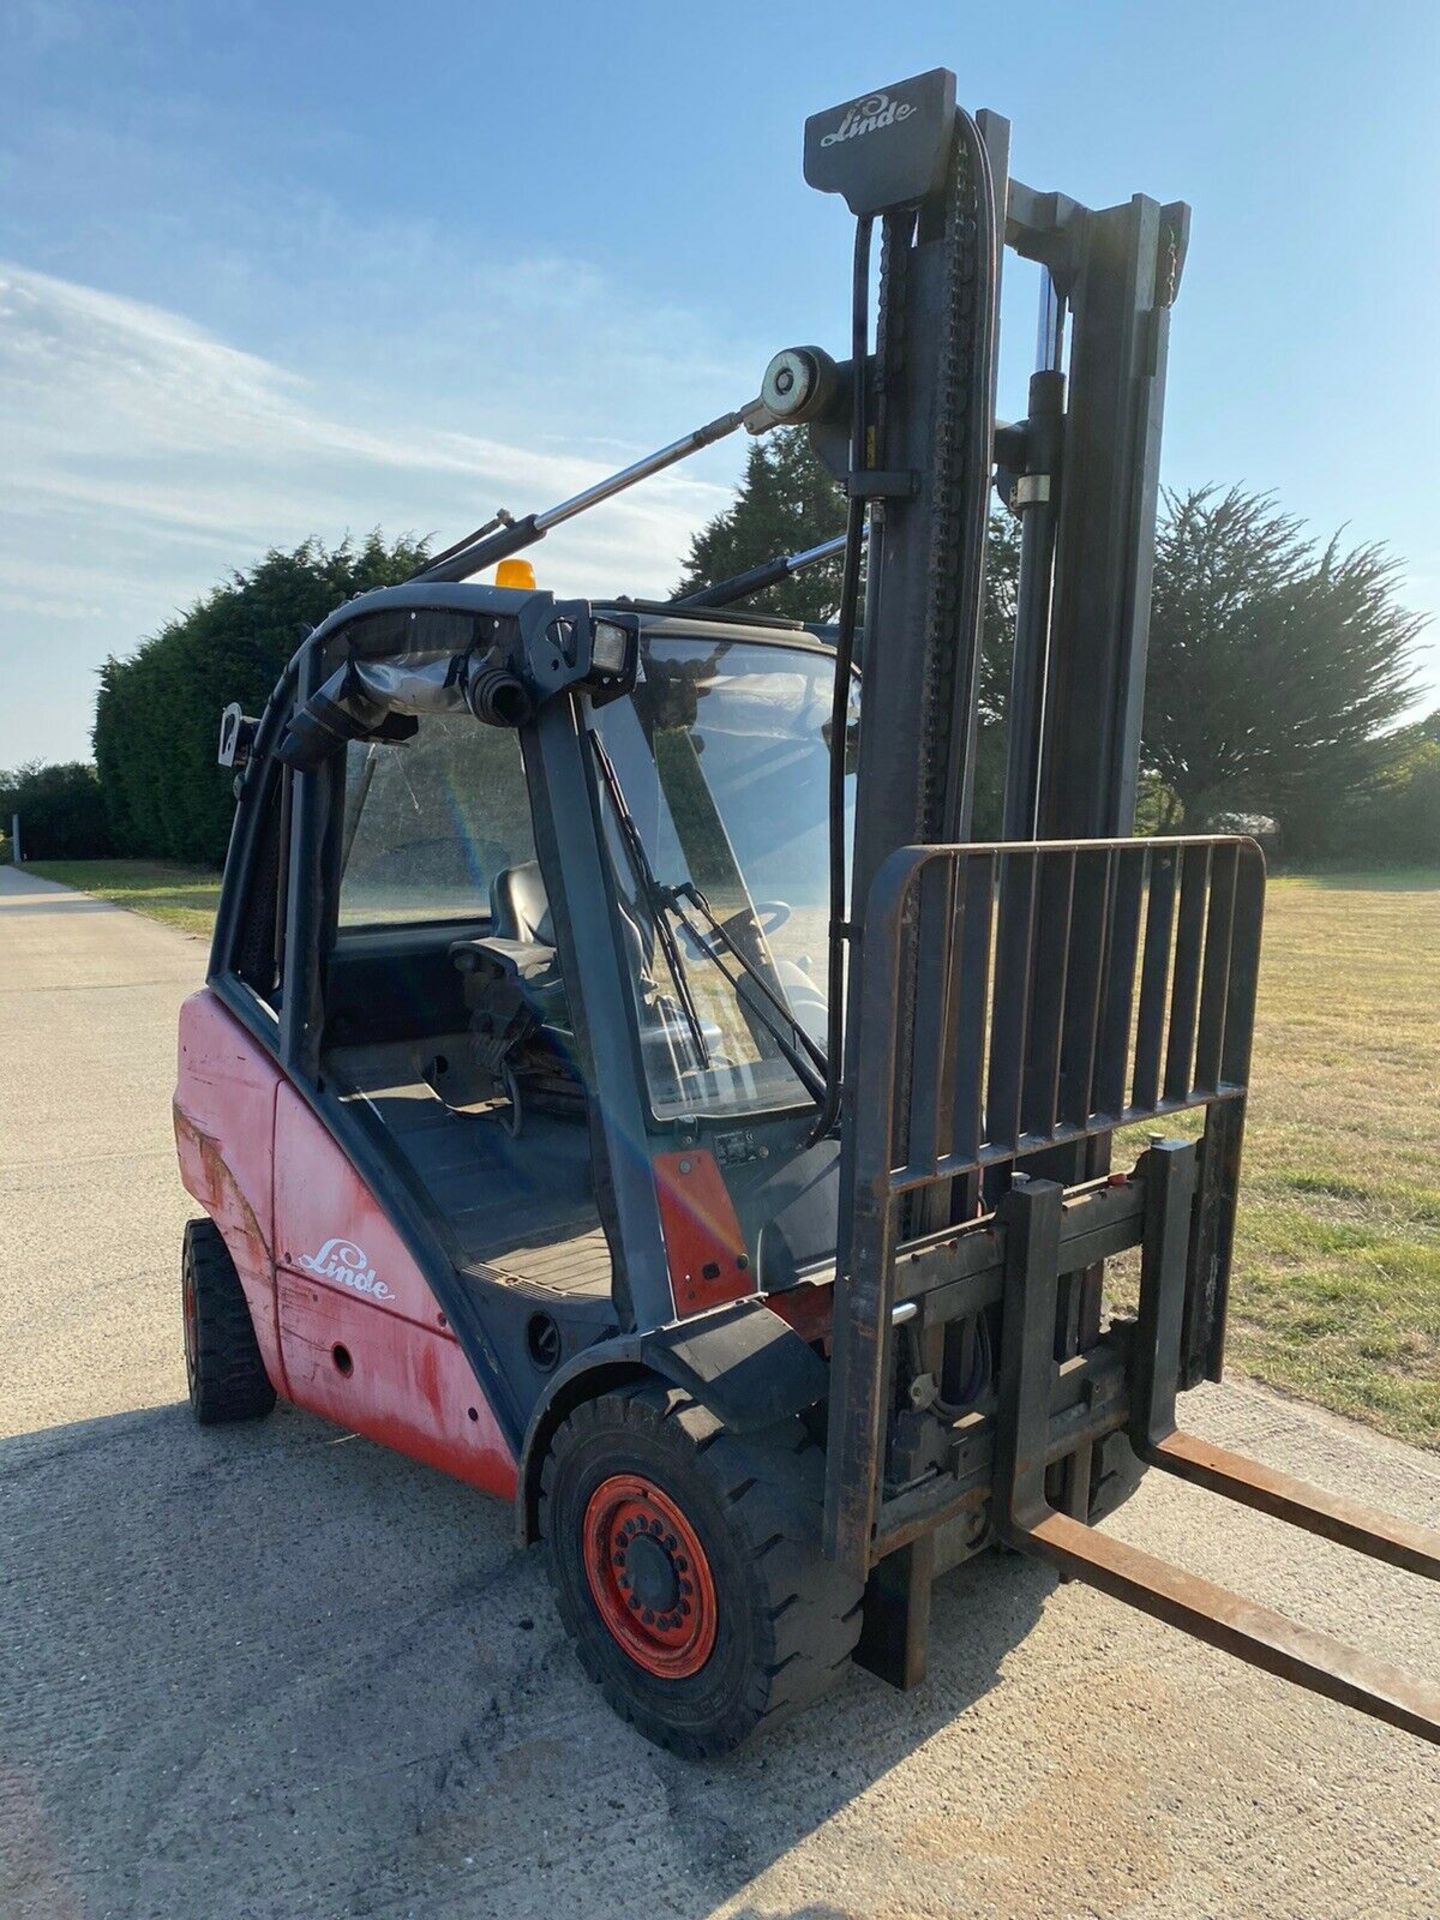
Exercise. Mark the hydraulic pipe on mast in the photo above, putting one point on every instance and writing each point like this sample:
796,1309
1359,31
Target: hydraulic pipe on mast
740,585
485,546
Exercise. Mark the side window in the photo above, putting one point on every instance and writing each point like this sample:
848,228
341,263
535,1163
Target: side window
429,822
259,941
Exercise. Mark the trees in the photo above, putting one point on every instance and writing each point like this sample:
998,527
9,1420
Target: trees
1276,668
61,813
786,502
1275,665
997,649
157,717
1395,821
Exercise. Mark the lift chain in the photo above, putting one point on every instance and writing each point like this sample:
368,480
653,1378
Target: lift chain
951,505
950,595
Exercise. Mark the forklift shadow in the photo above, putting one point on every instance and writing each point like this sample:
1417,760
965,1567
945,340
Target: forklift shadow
61,900
831,1757
273,1665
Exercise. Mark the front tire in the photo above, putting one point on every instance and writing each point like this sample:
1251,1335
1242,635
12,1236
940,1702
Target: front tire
687,1567
223,1368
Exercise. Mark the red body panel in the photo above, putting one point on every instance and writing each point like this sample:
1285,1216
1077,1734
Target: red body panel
810,1310
704,1246
224,1130
346,1281
346,1325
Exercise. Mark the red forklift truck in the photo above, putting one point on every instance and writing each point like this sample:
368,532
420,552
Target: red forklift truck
621,1082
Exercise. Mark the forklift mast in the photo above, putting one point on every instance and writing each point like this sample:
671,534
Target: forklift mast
1081,471
1008,1008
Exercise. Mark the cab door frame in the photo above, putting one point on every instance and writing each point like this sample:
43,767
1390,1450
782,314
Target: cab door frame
566,823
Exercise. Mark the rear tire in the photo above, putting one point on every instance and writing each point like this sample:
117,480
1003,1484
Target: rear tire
726,1619
223,1368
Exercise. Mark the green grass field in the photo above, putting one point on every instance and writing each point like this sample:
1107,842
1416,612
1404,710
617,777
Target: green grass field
1337,1284
1336,1293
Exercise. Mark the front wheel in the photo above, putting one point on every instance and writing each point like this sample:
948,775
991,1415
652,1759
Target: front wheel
687,1567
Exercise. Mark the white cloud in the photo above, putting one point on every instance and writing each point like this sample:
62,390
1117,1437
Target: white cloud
145,457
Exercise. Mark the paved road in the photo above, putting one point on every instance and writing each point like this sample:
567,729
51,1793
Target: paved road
278,1672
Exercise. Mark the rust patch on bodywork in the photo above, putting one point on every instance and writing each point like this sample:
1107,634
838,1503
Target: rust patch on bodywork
212,1183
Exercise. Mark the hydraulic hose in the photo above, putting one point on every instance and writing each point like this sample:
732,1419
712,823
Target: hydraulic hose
829,1108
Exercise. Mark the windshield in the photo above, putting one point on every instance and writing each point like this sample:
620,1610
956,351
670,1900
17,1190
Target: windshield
713,777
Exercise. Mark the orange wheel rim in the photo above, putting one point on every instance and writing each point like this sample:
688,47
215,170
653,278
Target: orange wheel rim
649,1577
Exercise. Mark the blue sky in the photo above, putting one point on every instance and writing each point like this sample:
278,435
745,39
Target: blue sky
272,270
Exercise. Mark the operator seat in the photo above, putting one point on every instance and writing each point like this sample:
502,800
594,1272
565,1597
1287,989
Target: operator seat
520,906
516,963
519,1010
520,910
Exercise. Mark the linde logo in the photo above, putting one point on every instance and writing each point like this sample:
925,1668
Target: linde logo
342,1260
878,110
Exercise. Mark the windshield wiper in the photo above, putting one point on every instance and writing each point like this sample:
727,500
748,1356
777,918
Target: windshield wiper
661,901
805,1071
655,896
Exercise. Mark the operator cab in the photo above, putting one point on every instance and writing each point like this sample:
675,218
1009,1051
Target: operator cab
469,1021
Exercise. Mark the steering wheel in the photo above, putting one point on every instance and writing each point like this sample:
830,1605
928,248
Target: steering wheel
771,915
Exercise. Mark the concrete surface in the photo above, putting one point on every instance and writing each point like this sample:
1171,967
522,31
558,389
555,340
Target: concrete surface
273,1671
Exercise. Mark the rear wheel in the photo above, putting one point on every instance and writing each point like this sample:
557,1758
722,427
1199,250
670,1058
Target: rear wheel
687,1567
223,1368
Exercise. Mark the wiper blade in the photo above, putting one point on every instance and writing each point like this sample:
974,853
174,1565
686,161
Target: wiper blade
795,1057
662,901
656,896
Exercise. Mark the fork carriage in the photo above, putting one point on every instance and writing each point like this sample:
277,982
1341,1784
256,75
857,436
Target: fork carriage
1022,1003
